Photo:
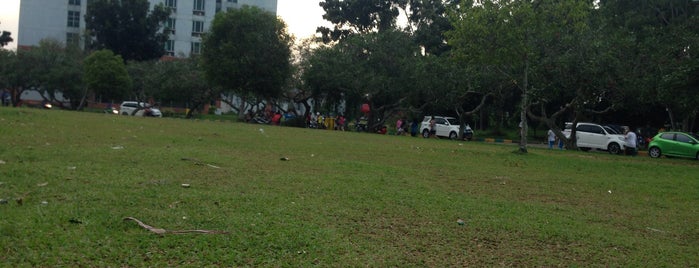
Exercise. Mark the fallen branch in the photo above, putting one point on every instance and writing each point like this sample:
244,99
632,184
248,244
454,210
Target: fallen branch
200,163
163,231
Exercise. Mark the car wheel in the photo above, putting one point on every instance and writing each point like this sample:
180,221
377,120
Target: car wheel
124,113
614,148
453,135
425,133
468,137
654,152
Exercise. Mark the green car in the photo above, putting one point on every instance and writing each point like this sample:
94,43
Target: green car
677,144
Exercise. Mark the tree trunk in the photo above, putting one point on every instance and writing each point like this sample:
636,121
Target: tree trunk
82,100
523,111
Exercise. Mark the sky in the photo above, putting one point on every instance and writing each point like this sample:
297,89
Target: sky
302,17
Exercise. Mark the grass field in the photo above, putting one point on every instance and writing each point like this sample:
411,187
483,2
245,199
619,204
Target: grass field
292,197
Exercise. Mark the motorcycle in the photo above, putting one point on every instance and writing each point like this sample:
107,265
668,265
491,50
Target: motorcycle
111,110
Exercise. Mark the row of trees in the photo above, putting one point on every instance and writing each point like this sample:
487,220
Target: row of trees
631,62
499,62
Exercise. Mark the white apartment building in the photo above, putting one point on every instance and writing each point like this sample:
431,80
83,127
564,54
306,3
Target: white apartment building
63,20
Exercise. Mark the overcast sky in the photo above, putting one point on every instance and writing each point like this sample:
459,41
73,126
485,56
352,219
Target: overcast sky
301,16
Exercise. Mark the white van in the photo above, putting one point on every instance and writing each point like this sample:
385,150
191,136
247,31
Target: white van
595,136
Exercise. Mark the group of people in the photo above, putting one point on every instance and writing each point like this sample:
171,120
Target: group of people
553,139
321,121
403,127
264,117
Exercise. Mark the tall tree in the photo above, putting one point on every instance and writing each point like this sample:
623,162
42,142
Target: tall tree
57,69
663,59
429,22
127,27
247,52
106,75
532,44
181,81
376,68
359,17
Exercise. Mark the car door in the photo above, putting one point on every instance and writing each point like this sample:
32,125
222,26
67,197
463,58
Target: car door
442,127
684,145
599,137
586,136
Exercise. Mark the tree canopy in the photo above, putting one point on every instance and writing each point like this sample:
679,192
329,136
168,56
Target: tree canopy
5,38
248,51
127,27
359,17
106,75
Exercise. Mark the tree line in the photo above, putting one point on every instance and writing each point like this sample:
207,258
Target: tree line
493,63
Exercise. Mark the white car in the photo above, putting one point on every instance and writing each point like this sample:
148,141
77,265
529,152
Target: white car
595,136
144,109
445,127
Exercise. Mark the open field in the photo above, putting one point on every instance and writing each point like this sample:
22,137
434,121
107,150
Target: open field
342,199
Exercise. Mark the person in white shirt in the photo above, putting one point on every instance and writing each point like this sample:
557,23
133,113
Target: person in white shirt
631,142
552,138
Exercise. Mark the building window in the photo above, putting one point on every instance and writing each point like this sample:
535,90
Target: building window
72,39
198,7
171,3
170,47
196,48
74,19
170,26
233,1
197,28
74,2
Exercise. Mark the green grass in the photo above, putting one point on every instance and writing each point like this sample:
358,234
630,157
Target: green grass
342,199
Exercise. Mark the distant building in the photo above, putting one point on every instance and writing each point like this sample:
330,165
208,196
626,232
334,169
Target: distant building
64,21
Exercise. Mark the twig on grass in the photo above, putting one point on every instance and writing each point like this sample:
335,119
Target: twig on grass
200,163
163,231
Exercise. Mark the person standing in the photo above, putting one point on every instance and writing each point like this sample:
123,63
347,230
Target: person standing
277,118
399,127
551,138
414,127
6,98
631,141
433,128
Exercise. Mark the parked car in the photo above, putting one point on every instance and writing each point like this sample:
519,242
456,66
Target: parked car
144,109
679,144
445,127
594,136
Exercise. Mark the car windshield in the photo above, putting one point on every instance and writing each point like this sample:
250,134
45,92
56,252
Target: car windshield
452,121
